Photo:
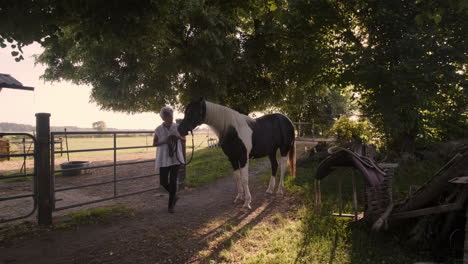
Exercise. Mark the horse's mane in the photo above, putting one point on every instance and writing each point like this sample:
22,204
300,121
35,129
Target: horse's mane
219,117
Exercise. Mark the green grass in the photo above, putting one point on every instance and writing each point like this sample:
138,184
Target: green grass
28,229
414,173
93,216
20,179
208,165
17,179
308,235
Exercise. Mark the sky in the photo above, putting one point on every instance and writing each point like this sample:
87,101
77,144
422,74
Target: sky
68,104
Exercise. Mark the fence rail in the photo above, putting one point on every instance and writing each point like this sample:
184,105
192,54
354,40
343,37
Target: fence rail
114,164
44,171
33,193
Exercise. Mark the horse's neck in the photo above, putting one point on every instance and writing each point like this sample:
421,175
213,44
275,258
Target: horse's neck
220,118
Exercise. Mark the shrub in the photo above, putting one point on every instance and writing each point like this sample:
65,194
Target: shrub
347,130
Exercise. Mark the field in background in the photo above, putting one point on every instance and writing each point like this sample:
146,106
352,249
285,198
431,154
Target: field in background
200,141
90,142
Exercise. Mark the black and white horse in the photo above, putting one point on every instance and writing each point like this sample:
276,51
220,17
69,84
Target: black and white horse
242,137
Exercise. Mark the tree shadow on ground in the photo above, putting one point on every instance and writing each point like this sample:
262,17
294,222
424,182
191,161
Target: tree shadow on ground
230,231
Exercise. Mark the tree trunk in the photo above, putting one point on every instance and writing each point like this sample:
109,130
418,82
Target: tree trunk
403,143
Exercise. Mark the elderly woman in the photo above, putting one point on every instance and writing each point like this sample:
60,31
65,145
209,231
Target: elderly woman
168,160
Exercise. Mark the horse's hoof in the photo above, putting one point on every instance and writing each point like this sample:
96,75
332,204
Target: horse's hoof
268,192
279,193
247,206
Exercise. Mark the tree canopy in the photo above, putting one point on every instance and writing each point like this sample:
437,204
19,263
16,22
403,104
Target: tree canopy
99,125
405,59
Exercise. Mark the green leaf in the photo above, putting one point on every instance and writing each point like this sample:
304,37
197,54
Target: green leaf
419,20
273,6
437,18
14,53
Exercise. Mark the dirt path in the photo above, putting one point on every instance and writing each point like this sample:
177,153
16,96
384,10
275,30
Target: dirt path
152,235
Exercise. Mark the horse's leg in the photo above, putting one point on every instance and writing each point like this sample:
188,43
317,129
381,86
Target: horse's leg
240,189
274,168
244,173
283,163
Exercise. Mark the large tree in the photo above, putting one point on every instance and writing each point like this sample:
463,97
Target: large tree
139,55
406,59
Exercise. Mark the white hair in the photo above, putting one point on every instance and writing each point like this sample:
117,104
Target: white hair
165,110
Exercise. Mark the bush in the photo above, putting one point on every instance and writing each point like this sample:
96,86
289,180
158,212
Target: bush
347,130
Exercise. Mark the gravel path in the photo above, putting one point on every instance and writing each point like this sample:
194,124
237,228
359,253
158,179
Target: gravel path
153,235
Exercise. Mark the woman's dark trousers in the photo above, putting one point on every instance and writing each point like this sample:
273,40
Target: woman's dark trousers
168,180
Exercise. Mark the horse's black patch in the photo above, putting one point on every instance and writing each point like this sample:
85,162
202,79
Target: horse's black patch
234,148
194,116
270,133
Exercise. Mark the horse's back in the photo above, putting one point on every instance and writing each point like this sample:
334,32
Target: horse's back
271,132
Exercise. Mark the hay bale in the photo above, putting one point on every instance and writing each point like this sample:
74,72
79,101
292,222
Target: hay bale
4,149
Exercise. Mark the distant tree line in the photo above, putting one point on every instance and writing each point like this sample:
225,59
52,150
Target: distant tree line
13,127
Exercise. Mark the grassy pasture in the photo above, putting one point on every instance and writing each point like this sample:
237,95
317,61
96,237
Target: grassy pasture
95,142
308,235
77,143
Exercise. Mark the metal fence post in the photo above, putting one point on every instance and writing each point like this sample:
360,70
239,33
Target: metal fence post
45,193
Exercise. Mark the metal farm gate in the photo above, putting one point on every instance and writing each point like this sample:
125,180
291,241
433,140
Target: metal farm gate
44,189
20,195
114,165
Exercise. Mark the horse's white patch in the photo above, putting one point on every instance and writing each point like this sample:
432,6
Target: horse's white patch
245,184
220,118
271,185
283,163
239,187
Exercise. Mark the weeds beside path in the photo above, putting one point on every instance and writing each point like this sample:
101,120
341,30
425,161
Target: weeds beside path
152,235
208,228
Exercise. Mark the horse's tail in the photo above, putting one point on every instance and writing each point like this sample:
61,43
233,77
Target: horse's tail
292,159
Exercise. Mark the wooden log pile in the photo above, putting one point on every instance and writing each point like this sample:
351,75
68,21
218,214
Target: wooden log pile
437,211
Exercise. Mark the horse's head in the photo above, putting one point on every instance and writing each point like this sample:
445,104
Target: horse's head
194,116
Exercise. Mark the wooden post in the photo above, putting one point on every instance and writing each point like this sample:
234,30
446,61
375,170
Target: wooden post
340,196
45,185
24,158
354,197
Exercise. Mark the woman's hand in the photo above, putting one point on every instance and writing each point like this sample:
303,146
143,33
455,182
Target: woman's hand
156,141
